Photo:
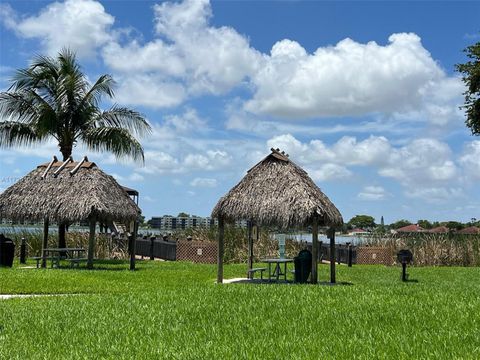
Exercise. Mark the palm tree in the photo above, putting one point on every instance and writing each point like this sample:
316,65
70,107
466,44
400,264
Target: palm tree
52,98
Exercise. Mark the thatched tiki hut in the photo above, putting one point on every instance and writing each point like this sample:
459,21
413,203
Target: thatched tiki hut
68,192
277,192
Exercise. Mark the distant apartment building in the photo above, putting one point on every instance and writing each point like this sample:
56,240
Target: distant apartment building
168,223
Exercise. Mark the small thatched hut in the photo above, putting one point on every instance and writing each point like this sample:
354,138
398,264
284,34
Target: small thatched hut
67,192
277,192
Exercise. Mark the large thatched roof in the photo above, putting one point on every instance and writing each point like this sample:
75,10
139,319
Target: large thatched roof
277,192
67,192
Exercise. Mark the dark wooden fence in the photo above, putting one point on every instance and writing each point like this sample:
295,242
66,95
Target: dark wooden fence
167,250
341,252
156,248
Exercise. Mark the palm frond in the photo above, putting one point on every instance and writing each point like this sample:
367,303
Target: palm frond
124,118
40,77
17,134
103,86
18,106
115,140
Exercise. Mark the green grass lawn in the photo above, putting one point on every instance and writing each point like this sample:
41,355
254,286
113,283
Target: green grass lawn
175,311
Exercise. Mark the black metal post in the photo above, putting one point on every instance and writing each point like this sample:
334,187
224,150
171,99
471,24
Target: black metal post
350,254
133,241
331,236
250,246
404,271
152,257
23,251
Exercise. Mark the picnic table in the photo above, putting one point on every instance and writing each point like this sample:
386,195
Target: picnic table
56,254
277,272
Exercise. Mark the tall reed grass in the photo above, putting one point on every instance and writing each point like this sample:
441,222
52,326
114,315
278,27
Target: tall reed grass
432,249
236,243
106,247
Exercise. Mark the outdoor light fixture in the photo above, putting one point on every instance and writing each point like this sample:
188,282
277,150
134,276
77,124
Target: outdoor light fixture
404,257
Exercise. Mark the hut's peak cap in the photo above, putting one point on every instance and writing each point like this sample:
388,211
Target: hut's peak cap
279,154
276,154
70,164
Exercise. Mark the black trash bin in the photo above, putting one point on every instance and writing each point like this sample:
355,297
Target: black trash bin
303,266
7,251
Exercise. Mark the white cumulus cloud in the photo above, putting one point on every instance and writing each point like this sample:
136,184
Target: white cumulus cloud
188,57
204,182
470,160
349,78
82,25
328,172
424,167
373,193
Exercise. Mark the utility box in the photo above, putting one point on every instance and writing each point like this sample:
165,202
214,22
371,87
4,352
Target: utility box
7,251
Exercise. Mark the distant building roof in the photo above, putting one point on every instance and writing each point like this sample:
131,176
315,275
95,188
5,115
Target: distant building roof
470,230
439,230
357,230
410,228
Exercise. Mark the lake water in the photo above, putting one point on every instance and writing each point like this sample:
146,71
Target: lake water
338,239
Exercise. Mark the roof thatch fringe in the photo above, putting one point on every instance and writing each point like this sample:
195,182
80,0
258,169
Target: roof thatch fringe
277,192
70,196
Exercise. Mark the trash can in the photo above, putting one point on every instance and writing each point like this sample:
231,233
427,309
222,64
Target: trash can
303,266
7,251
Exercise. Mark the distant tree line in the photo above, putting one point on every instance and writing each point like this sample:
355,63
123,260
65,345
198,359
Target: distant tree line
367,222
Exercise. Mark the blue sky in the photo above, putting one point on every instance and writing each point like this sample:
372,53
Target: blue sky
363,95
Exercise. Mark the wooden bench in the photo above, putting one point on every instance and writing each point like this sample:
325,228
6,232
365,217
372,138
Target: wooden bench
76,261
251,272
39,258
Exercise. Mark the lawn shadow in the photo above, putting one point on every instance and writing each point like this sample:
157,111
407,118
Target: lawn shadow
104,265
281,282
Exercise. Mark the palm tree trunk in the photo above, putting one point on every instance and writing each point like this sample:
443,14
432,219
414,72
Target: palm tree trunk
66,151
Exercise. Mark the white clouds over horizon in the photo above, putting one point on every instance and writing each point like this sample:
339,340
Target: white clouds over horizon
426,168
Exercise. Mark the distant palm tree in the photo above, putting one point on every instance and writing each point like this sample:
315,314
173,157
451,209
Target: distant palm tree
52,98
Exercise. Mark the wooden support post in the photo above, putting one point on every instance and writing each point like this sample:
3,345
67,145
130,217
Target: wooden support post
250,246
314,277
23,251
62,241
91,243
221,229
133,245
44,242
332,255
